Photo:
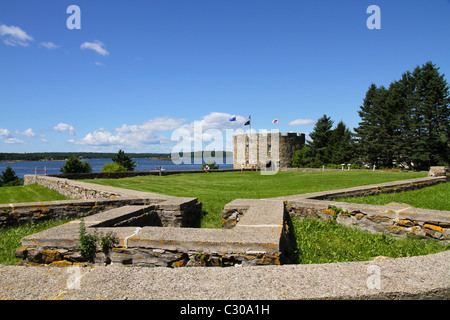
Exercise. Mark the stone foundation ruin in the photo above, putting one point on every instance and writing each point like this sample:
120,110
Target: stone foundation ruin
159,231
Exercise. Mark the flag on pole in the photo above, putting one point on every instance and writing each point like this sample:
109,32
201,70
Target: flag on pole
274,120
233,118
248,121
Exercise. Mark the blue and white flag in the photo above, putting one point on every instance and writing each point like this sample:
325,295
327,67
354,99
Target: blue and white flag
233,118
248,121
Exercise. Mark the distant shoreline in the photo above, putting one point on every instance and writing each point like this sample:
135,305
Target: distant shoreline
63,156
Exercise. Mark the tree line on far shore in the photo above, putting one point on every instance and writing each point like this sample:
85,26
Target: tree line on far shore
121,163
406,125
38,156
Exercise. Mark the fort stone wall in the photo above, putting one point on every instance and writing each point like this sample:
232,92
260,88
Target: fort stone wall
259,150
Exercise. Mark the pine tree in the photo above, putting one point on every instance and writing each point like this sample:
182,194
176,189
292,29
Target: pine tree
317,153
124,160
407,124
340,145
9,178
371,131
74,165
430,116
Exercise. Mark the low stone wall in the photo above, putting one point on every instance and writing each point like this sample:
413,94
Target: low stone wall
395,219
21,213
259,239
184,213
172,211
118,175
439,172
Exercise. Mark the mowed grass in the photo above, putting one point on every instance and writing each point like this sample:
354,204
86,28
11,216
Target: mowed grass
436,197
215,190
320,241
29,193
10,237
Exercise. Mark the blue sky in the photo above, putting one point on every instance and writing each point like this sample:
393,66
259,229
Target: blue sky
138,71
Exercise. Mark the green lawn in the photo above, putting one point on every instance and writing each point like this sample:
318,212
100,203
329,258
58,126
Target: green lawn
436,197
10,237
29,193
320,241
217,189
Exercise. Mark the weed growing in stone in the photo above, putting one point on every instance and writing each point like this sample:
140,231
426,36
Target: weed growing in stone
88,242
107,242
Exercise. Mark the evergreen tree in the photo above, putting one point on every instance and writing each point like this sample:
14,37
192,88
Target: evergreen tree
317,154
407,124
9,178
369,133
74,165
124,160
430,116
340,146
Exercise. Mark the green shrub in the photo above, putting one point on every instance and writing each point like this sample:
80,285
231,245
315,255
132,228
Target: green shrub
113,167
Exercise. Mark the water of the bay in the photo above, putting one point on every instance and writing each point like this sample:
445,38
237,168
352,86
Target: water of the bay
22,168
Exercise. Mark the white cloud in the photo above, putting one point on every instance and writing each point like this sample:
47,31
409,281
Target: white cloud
49,45
301,122
97,63
13,141
27,133
139,135
4,133
64,127
96,45
14,36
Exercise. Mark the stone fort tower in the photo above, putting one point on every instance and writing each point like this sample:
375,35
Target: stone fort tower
264,149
